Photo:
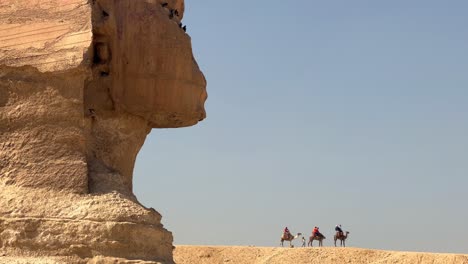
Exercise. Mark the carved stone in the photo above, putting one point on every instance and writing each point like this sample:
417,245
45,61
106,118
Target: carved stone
82,83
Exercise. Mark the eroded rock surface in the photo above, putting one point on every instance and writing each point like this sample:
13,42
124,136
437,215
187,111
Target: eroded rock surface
82,83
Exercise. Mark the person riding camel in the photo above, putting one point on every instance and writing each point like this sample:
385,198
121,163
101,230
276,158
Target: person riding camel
339,231
286,233
316,232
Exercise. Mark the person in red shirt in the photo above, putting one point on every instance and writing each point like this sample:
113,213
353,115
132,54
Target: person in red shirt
316,232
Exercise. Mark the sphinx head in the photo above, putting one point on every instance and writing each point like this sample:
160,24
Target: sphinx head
144,58
113,71
144,73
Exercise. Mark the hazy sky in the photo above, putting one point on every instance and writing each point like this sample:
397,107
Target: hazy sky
320,113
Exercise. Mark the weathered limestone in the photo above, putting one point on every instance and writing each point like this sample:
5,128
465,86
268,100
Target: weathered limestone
81,85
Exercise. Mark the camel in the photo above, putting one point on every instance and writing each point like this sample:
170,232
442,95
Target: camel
318,238
342,238
290,238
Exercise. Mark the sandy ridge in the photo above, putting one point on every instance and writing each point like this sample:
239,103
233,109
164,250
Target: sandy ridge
325,255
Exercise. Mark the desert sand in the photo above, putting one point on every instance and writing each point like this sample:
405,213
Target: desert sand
268,255
324,255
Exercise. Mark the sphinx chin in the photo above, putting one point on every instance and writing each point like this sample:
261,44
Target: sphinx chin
80,89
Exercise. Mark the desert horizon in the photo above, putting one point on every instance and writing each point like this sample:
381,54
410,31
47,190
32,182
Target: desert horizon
325,246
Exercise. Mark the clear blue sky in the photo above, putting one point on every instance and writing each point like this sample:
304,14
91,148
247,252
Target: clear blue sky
320,113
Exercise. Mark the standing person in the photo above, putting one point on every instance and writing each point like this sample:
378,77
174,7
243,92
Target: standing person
303,242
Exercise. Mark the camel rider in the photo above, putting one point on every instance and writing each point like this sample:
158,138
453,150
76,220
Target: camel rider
316,232
338,230
286,232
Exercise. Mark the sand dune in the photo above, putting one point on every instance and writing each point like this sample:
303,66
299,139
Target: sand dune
325,255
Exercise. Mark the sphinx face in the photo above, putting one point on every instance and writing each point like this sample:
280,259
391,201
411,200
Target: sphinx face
147,56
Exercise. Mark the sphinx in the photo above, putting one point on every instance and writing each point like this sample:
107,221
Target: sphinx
82,83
